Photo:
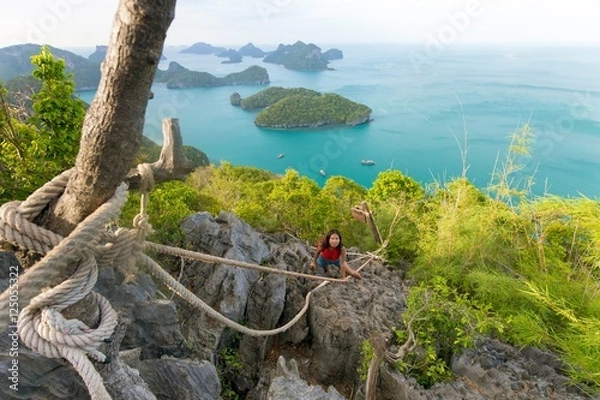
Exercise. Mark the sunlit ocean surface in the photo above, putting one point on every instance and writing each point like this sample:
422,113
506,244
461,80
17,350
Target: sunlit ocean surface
428,111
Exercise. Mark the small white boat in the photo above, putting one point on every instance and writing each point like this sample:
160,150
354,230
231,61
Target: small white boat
281,155
367,162
322,172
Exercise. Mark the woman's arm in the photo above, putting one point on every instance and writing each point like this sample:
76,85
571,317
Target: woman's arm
313,263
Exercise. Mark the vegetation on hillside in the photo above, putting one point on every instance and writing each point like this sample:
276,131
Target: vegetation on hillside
497,261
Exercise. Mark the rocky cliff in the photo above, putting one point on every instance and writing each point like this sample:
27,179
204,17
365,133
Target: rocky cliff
178,350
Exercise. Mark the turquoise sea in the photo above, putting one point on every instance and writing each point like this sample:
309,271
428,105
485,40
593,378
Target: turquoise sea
426,107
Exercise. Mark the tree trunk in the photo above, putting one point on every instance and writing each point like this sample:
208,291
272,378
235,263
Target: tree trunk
111,136
113,126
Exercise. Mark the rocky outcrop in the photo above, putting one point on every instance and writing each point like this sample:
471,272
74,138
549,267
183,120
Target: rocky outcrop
287,385
492,370
177,349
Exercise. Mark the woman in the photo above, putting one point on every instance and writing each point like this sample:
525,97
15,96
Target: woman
331,251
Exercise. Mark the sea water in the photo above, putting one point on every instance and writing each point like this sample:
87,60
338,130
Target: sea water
434,115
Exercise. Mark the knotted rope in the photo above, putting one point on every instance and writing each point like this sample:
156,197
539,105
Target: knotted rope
41,325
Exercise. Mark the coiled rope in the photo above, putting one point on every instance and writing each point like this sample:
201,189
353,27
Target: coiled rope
41,325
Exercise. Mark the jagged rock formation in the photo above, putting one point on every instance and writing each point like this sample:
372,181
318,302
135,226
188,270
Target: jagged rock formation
177,349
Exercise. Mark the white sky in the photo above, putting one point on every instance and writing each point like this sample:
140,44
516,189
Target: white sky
86,23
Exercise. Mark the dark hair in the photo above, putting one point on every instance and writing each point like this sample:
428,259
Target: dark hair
331,232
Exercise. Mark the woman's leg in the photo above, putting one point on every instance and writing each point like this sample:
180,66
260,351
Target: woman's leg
321,266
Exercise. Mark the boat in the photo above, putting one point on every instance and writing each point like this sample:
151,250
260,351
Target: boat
281,155
322,172
367,162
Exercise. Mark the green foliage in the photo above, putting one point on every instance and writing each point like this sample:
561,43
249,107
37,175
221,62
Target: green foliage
393,185
229,364
506,183
38,146
579,336
290,203
536,264
299,110
169,204
444,322
463,230
366,355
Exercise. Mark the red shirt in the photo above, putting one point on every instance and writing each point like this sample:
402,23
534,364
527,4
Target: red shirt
331,253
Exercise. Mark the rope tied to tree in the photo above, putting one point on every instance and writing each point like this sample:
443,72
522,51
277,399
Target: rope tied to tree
40,324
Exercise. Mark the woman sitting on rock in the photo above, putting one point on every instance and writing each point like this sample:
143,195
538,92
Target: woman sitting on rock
331,251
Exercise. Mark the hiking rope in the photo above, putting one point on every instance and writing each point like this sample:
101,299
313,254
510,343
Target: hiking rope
41,325
192,255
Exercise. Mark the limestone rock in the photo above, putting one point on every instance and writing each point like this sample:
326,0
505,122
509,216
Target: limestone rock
287,385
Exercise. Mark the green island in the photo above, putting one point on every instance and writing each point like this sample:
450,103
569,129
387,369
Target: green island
302,108
179,77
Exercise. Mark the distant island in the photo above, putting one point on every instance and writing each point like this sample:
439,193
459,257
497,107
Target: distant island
203,48
298,56
15,62
179,77
234,56
302,57
302,108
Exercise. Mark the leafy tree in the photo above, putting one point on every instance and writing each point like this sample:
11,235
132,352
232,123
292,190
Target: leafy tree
392,184
40,145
